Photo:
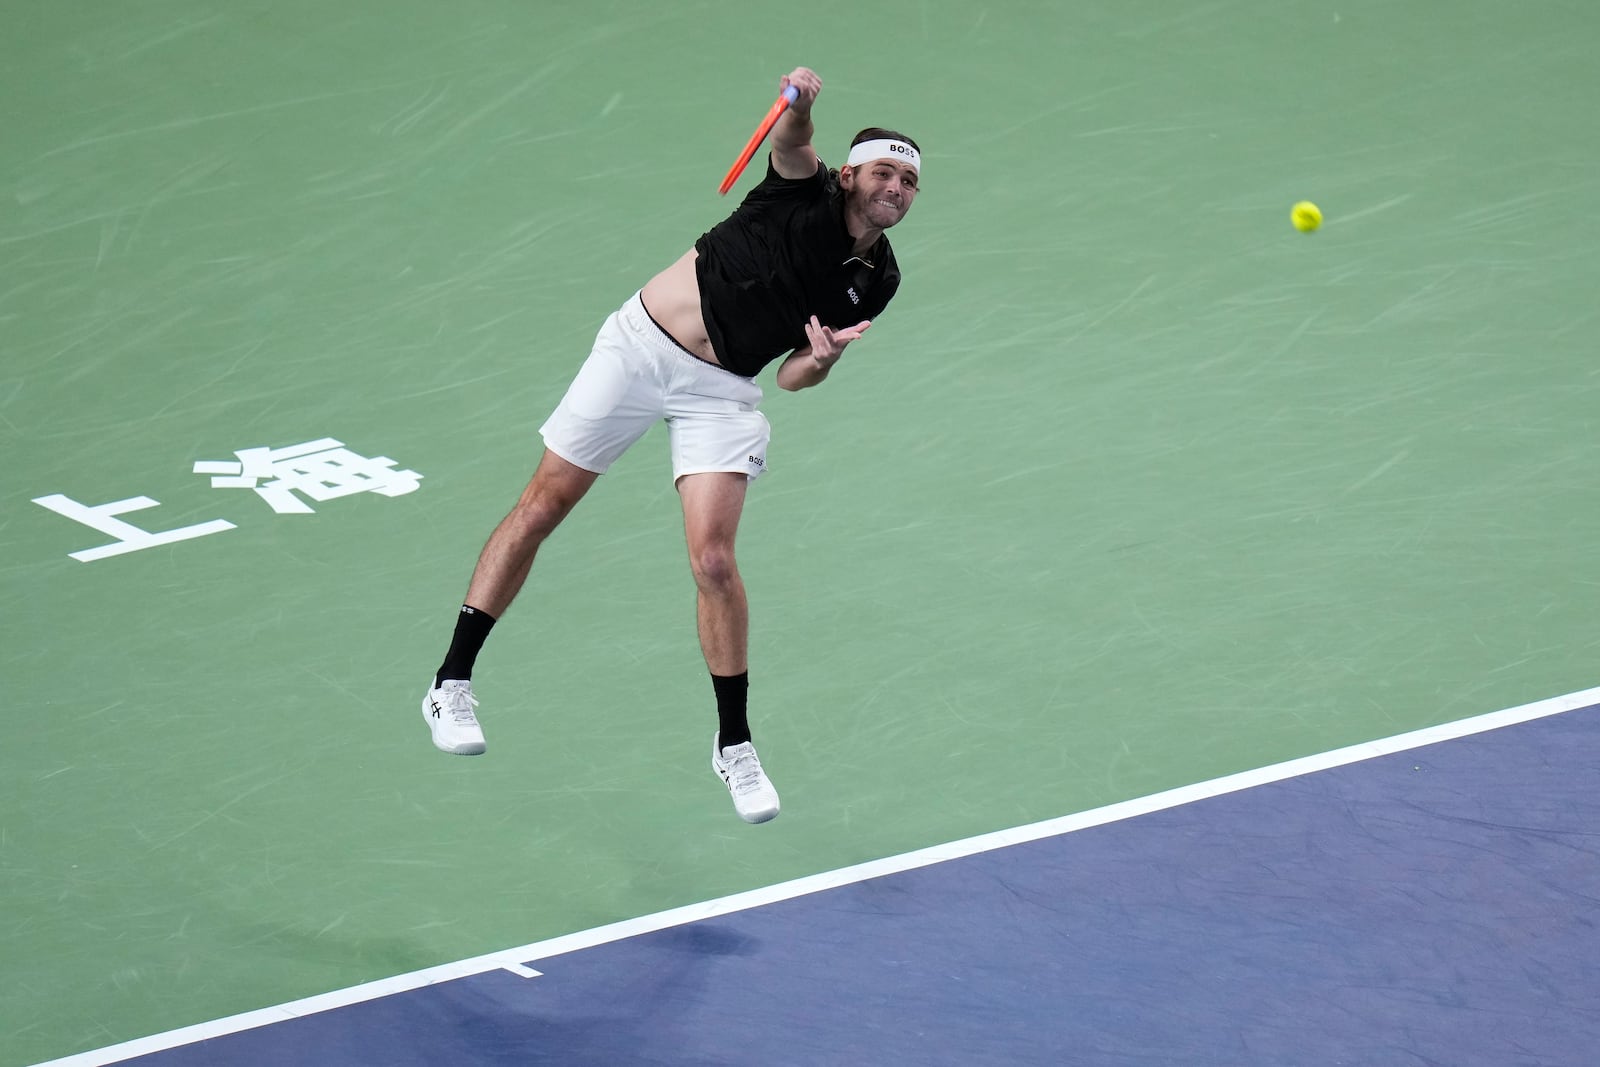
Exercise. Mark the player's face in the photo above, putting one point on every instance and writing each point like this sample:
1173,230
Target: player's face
880,192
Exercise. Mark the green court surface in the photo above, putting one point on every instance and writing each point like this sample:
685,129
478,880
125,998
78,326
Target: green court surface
1133,486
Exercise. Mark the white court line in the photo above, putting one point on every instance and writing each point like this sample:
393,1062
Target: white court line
516,960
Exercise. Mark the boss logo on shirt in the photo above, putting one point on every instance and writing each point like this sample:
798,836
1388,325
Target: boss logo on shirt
854,299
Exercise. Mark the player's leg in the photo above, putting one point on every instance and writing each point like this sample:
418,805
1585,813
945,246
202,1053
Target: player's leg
555,489
719,446
712,504
614,399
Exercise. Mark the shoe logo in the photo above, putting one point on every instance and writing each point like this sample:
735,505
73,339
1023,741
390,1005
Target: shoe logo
436,708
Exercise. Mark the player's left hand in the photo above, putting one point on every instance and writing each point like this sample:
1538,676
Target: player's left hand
827,344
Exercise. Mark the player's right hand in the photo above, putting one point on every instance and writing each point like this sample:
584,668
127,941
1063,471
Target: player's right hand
804,79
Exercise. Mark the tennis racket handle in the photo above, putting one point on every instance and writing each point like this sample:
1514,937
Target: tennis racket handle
790,95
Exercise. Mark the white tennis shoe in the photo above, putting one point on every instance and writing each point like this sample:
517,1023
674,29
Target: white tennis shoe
448,711
740,770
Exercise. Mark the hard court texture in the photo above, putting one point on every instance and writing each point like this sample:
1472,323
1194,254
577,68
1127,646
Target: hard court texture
1133,486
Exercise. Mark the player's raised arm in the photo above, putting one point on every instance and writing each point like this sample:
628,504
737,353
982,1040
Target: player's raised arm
792,154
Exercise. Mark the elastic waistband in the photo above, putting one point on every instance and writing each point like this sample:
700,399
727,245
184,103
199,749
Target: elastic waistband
658,335
660,329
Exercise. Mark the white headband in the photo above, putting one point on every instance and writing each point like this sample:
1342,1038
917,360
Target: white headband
867,151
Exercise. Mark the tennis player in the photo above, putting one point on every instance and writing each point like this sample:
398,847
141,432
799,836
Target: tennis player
797,272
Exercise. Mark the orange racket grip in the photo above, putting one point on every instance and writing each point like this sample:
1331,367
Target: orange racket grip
778,108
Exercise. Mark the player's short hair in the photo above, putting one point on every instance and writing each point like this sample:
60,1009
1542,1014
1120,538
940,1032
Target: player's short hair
878,133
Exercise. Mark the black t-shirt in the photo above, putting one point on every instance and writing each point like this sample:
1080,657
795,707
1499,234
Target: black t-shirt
781,257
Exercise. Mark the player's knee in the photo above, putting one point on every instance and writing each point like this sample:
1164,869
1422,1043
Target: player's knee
715,569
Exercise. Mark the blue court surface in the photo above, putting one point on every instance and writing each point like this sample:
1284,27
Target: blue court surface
1432,899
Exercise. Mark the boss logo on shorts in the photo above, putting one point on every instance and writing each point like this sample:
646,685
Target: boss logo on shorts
756,461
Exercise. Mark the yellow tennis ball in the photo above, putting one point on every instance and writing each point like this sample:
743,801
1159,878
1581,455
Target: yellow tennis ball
1306,216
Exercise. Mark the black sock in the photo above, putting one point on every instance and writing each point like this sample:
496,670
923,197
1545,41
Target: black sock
472,629
732,697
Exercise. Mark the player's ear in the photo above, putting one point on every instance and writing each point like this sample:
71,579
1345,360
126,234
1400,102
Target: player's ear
847,176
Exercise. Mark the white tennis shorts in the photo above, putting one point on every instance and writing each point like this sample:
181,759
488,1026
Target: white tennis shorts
637,374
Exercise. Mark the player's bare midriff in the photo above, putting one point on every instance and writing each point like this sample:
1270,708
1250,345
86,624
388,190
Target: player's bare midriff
673,300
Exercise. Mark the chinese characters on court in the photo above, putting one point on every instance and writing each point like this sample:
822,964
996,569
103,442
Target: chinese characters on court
286,478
